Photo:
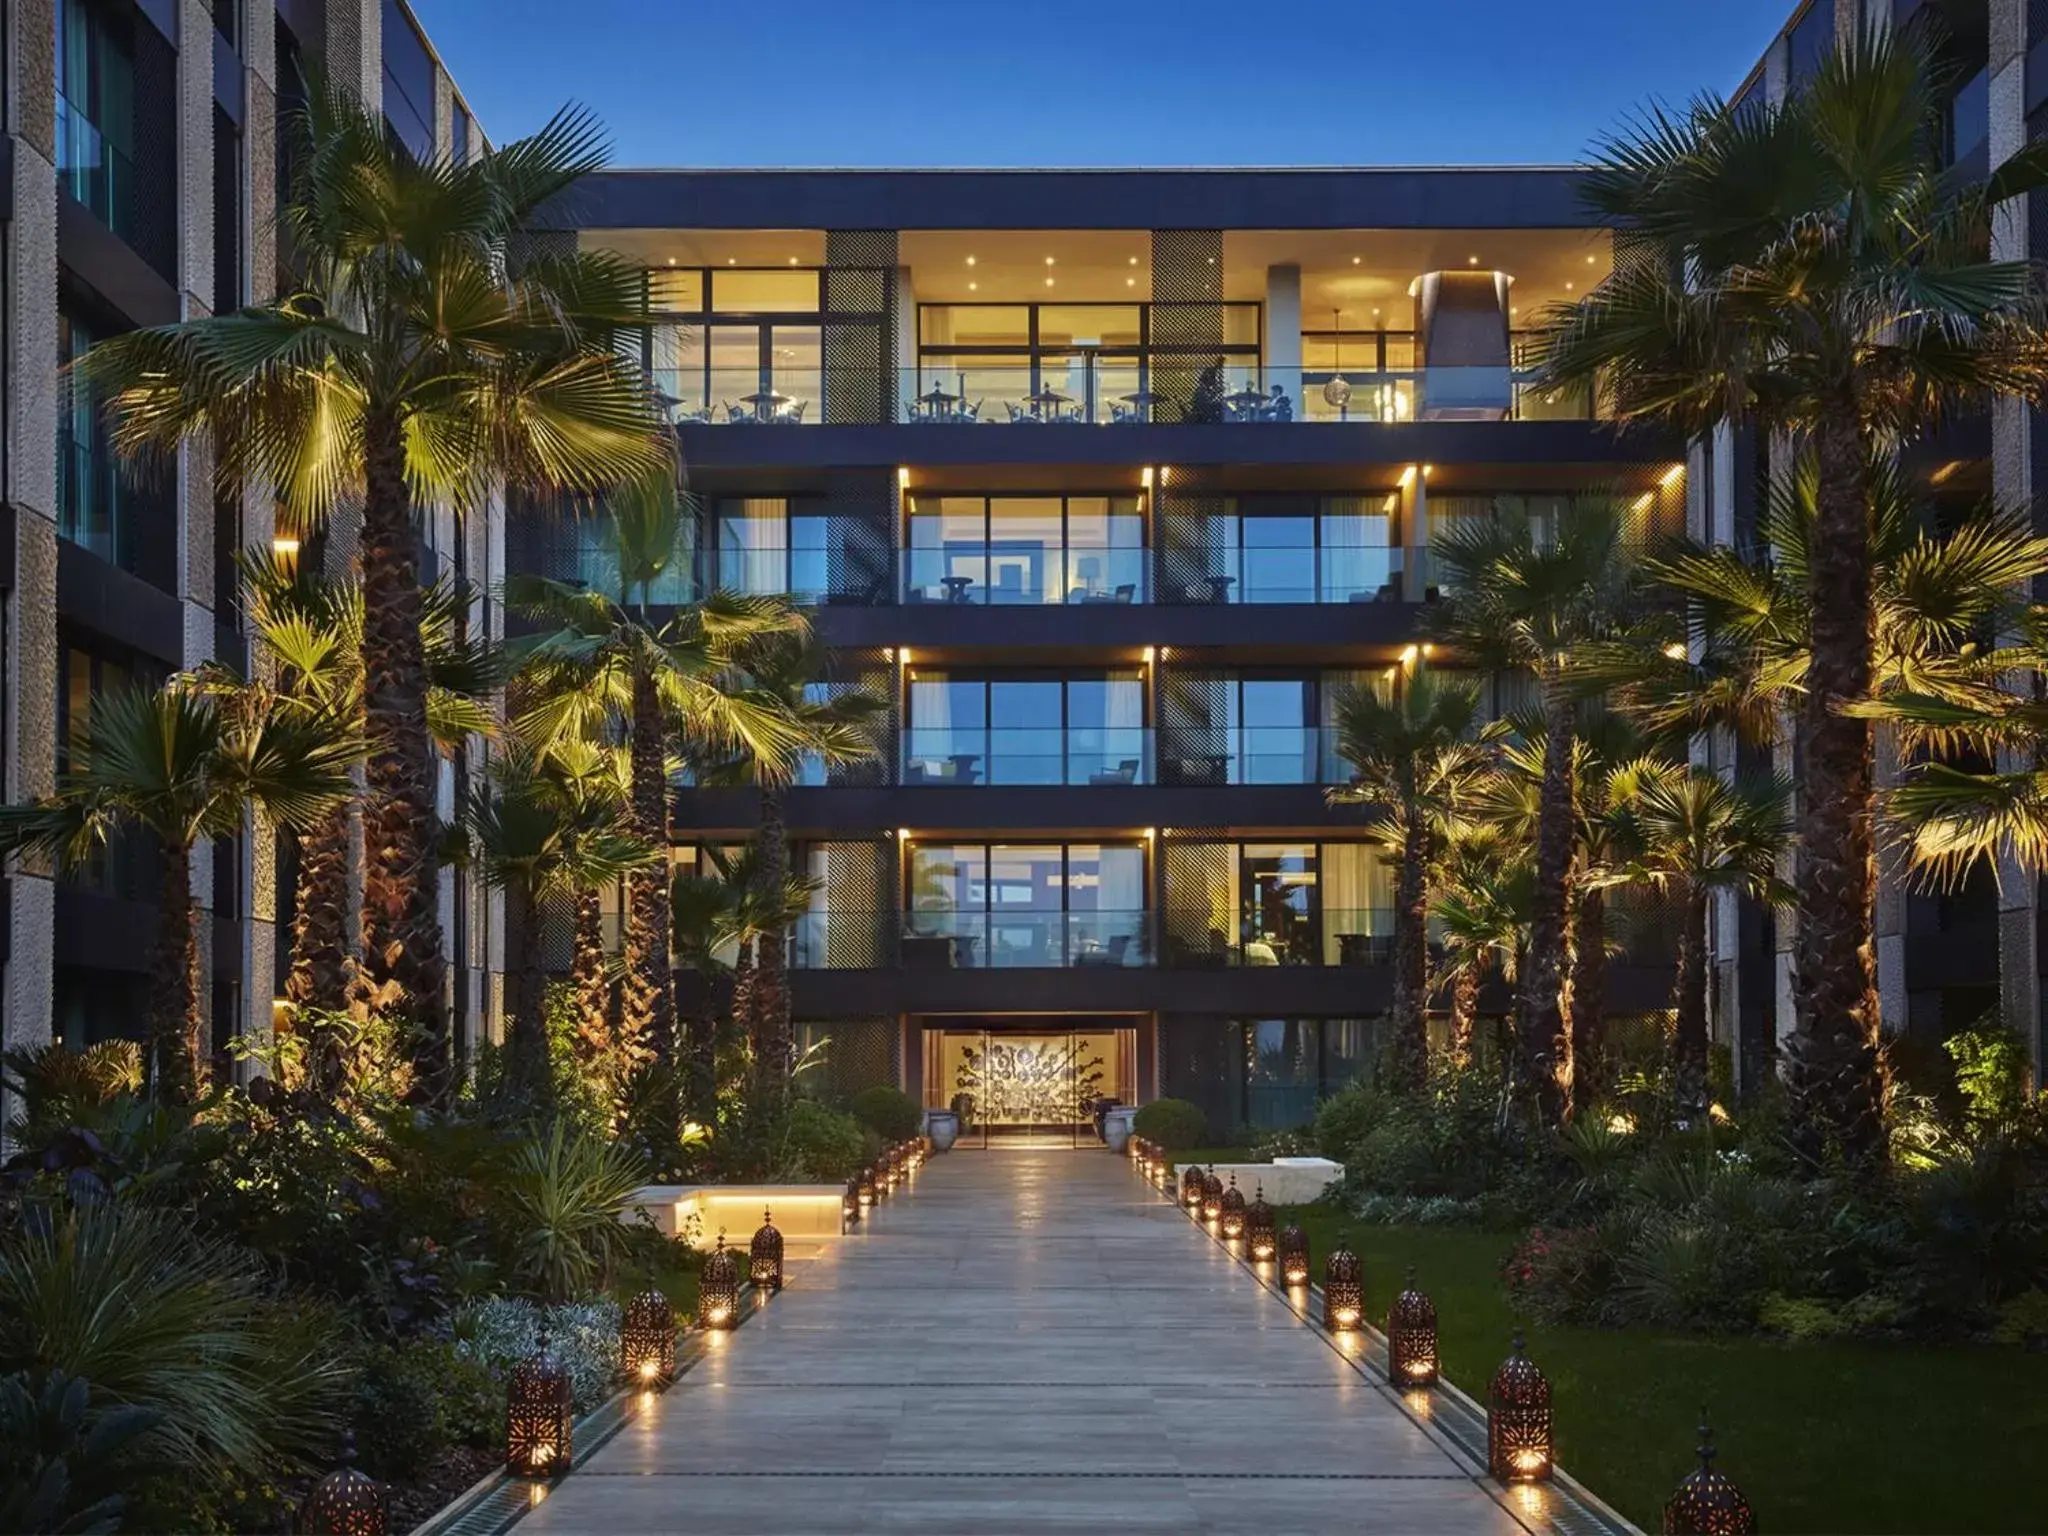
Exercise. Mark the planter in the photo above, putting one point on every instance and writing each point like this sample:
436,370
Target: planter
1116,1127
943,1126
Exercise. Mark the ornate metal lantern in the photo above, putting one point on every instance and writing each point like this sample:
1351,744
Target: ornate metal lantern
1230,1212
1259,1239
1343,1288
539,1417
1191,1186
1212,1195
647,1339
1411,1337
1707,1503
864,1187
346,1502
849,1205
718,1288
1518,1420
1293,1255
766,1253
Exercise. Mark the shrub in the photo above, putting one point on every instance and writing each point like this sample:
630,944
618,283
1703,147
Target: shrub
1283,1144
1175,1124
415,1400
2024,1319
560,1204
819,1144
63,1465
1343,1120
503,1331
1560,1274
1991,1073
890,1113
1799,1318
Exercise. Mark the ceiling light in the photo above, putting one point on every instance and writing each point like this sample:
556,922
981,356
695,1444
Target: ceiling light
1048,261
671,261
1048,282
1130,282
792,261
1589,261
284,544
1567,287
1134,261
1514,309
973,287
732,261
970,261
1472,261
1356,260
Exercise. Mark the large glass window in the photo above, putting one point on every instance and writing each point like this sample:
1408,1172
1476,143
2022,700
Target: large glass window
96,111
1024,550
1276,903
91,495
1255,1075
1230,728
994,729
1295,549
726,362
1025,905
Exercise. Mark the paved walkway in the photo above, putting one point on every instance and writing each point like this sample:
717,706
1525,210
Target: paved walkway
1025,1342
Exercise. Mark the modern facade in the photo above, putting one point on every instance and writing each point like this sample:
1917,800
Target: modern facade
1108,483
145,160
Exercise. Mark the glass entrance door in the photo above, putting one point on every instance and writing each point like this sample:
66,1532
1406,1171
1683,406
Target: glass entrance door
1028,1085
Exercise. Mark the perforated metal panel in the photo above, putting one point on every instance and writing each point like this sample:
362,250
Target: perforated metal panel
1186,314
852,922
154,210
858,1054
860,329
1194,736
860,558
1186,528
1195,897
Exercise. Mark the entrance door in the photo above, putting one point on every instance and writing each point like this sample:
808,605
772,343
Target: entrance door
1035,1084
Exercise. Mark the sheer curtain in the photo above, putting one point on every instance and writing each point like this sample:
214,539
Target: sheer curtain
1358,897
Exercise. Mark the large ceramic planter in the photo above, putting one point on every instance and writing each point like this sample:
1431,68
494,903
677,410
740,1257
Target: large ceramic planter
943,1126
1116,1127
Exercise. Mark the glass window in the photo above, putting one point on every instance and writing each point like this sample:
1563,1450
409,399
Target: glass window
1106,729
1024,543
1358,899
1283,1072
773,290
1088,325
974,325
1026,897
734,358
1026,743
1105,550
1105,903
675,290
1278,744
1277,911
947,550
753,545
1357,561
797,370
1279,559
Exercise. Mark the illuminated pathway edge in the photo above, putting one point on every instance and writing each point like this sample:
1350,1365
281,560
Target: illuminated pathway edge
1024,1342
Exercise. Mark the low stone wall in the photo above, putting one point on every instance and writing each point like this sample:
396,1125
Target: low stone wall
806,1211
1294,1181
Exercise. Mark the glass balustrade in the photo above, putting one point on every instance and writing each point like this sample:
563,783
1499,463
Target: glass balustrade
1203,755
960,757
950,939
94,171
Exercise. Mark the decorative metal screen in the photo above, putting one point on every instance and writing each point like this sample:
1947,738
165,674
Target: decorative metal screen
154,232
1188,528
858,1054
1196,899
1186,314
860,555
873,672
852,923
860,325
1194,733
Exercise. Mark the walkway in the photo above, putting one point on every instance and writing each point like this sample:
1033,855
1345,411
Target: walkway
1026,1341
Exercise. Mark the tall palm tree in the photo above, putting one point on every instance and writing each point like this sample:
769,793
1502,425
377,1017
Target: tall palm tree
537,841
1814,268
430,351
1529,597
183,762
831,726
1483,885
1698,835
1940,584
1416,759
622,666
312,629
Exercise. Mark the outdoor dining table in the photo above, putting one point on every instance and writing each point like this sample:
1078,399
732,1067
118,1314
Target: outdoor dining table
937,398
956,587
1141,401
766,403
1246,400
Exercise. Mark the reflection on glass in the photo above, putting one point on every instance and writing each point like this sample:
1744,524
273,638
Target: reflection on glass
772,290
1026,905
1019,550
1278,903
752,545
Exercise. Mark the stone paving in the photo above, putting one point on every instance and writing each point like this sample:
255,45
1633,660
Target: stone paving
1024,1342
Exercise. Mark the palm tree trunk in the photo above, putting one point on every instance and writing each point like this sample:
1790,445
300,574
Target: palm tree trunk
177,1028
1409,1011
596,1051
526,1033
650,999
743,1004
776,1044
1689,1001
1589,995
702,1100
401,816
1464,1009
1544,1042
319,978
1837,1073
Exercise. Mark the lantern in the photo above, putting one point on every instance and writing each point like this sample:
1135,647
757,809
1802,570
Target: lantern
1411,1337
539,1417
1259,1240
1191,1185
864,1185
1518,1420
1343,1288
1706,1503
346,1502
849,1205
766,1269
1230,1211
647,1339
1293,1256
1212,1195
718,1288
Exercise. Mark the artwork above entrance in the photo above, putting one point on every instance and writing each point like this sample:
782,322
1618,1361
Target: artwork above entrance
1020,1080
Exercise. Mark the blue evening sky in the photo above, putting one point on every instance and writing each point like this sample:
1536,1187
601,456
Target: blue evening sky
1093,82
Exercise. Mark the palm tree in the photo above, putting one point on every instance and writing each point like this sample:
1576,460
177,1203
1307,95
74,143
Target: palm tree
1482,887
430,352
1698,835
537,841
1529,597
1416,759
619,667
830,727
184,762
1812,267
1938,586
312,629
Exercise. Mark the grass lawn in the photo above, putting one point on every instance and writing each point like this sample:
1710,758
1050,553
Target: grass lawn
1822,1437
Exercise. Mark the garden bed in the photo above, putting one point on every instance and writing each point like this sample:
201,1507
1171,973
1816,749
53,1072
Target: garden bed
1823,1437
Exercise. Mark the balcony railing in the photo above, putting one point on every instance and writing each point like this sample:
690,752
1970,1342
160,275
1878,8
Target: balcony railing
1203,755
1099,392
952,940
1337,936
1018,575
1102,756
97,174
90,497
1290,573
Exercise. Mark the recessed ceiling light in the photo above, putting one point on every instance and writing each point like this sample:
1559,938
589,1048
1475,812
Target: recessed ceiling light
970,261
1514,309
1130,282
1134,261
1589,261
792,261
732,261
1048,282
671,261
1048,261
1472,261
972,287
1567,287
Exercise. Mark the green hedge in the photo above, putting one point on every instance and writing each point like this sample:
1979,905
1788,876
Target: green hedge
890,1113
1174,1123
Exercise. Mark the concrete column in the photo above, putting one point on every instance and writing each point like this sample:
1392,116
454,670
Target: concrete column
1283,334
1417,577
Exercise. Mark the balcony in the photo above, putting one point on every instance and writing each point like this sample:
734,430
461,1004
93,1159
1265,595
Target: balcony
1226,755
91,501
944,939
1100,757
96,173
1336,936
